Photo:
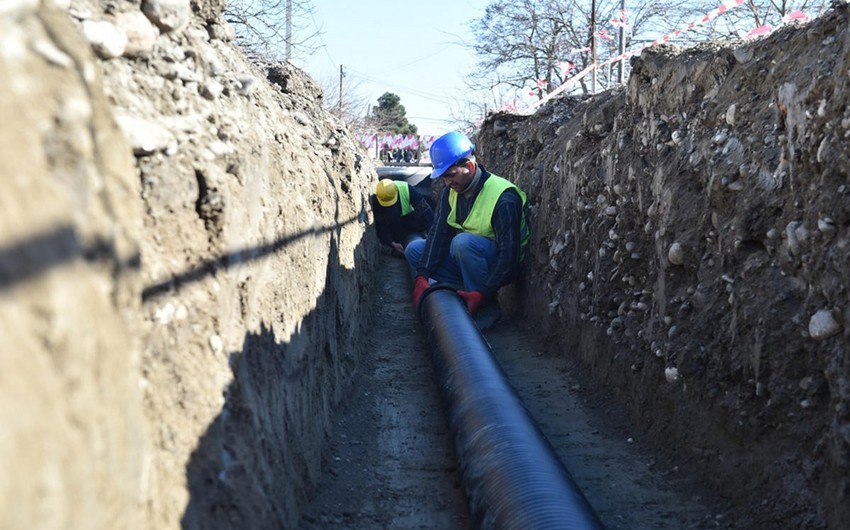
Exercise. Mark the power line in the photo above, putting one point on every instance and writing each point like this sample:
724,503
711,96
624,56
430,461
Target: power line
436,120
425,95
321,40
418,59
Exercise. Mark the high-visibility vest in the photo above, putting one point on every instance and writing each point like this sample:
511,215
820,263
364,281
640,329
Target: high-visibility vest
404,197
478,221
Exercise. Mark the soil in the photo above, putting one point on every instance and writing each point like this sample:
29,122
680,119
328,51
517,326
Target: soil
391,463
187,271
690,242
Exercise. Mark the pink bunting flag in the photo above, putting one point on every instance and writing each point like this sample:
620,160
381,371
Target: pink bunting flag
761,30
796,16
604,34
622,21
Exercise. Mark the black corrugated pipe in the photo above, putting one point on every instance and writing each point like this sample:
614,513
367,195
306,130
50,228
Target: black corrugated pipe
510,473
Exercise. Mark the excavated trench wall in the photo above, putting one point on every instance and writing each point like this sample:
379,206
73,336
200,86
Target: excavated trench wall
185,270
692,234
185,265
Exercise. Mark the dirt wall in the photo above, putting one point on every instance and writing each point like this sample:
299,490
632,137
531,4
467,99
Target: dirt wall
690,234
184,264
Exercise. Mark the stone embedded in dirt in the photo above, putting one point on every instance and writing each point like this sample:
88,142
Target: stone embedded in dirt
141,34
822,325
168,15
730,114
105,38
792,239
145,136
827,227
676,254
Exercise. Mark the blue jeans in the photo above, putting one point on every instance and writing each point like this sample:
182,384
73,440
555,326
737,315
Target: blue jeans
467,265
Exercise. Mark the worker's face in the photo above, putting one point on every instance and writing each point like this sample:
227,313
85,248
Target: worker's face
458,177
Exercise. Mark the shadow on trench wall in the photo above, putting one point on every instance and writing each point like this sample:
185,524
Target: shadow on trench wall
237,257
24,260
261,455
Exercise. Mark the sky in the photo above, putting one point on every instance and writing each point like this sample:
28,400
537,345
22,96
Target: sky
413,50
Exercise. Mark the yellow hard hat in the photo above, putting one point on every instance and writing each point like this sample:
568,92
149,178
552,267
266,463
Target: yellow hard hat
387,192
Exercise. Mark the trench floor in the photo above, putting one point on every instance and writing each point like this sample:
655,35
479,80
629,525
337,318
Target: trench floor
389,462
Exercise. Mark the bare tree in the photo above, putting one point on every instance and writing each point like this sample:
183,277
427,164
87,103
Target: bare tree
279,28
519,41
354,106
535,45
753,14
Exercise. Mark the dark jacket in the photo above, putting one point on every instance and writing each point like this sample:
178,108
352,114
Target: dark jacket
508,217
391,226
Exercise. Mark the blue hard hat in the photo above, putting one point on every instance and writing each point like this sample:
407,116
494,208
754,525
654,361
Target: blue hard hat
447,150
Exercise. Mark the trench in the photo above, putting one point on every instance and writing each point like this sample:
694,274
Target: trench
392,457
510,473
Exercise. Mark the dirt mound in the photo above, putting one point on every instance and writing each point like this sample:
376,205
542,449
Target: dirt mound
184,263
691,234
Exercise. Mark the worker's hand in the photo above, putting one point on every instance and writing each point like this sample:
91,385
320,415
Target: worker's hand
399,248
473,300
419,287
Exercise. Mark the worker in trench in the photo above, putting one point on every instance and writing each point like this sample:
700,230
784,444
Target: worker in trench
402,214
480,233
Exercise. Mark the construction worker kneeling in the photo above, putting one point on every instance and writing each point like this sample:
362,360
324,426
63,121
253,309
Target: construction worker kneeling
401,214
478,240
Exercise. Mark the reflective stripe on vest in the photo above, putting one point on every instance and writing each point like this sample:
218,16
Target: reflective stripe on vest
478,221
404,197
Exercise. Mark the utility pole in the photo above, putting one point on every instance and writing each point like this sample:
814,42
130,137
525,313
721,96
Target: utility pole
341,75
621,47
289,30
593,45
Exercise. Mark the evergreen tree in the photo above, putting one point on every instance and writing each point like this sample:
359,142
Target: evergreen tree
390,116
